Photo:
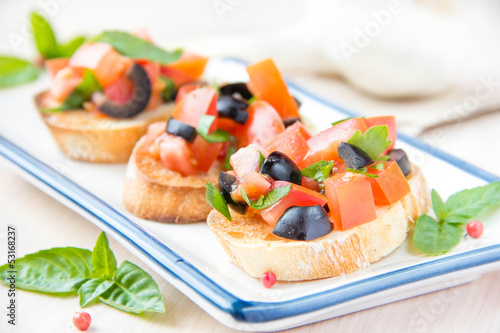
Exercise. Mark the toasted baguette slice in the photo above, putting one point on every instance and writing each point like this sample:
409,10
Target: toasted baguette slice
85,137
156,193
250,243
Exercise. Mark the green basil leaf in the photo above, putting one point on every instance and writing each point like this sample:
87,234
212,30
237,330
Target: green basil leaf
57,270
45,38
261,160
67,50
269,199
362,171
103,259
378,166
319,171
435,238
15,71
82,92
341,121
467,204
374,142
169,91
137,48
216,136
217,201
230,151
133,290
92,289
438,205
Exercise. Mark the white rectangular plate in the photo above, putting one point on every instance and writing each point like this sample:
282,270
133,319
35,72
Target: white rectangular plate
189,257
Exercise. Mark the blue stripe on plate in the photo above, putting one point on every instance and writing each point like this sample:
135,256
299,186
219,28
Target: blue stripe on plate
242,310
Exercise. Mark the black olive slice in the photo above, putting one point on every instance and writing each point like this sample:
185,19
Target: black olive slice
227,184
179,128
281,167
290,121
354,157
233,88
138,101
234,108
401,159
303,223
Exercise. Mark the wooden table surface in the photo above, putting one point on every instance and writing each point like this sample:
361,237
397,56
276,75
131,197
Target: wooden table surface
44,223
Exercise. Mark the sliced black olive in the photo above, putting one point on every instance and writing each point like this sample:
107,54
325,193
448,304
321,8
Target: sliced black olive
401,159
236,88
227,184
354,157
281,167
290,121
232,107
138,101
303,223
299,103
179,128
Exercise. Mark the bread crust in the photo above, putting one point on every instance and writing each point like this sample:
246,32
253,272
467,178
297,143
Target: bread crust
250,243
85,137
156,193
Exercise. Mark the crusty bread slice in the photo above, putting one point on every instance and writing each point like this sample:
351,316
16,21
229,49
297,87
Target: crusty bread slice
156,193
85,137
250,243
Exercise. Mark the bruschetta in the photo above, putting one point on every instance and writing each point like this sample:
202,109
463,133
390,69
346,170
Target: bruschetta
318,206
167,172
101,102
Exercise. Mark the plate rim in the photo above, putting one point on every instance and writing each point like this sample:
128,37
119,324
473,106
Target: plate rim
254,311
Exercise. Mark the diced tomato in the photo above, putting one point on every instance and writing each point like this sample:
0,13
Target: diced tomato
55,65
324,144
154,131
120,91
189,63
178,76
228,125
176,155
303,130
197,103
298,196
245,160
310,183
350,200
268,85
205,153
390,122
262,125
292,143
254,185
64,83
106,64
186,89
390,186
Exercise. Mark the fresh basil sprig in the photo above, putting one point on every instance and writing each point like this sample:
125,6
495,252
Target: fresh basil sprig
374,141
217,201
216,136
71,270
269,199
137,48
363,171
46,42
319,171
435,237
15,71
